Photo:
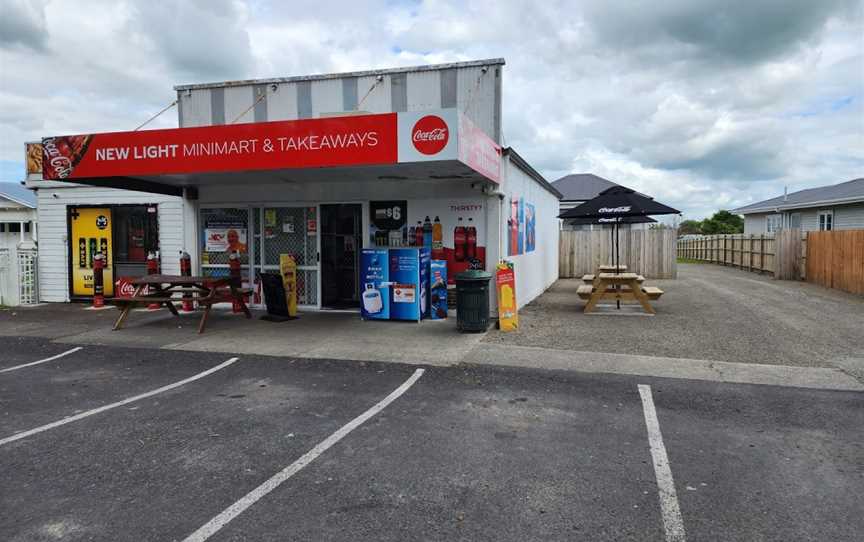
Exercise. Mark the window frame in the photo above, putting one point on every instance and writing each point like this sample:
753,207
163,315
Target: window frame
825,219
773,223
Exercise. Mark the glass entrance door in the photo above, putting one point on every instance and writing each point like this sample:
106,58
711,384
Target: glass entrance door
294,231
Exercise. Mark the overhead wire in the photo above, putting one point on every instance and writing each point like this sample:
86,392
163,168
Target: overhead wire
151,119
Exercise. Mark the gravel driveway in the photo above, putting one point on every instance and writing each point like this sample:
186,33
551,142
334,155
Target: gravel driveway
710,312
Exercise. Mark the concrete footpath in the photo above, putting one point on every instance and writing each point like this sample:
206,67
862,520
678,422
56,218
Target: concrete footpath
344,336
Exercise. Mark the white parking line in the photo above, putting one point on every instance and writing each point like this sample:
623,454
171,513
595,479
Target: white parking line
672,522
52,358
82,415
214,525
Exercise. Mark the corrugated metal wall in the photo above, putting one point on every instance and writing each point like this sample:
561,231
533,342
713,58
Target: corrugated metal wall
473,91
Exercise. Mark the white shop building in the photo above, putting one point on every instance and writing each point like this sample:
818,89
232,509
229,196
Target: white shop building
317,167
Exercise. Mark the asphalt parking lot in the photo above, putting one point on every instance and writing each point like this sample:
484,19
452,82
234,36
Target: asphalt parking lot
269,448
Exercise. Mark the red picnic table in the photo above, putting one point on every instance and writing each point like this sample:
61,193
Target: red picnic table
165,289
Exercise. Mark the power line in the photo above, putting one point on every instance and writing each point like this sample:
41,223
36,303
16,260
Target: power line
151,119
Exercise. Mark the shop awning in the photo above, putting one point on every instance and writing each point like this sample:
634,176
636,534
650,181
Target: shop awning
410,146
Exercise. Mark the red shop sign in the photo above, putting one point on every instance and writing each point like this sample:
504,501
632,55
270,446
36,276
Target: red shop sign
337,141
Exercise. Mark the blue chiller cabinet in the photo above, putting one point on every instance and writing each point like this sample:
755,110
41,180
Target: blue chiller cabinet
395,283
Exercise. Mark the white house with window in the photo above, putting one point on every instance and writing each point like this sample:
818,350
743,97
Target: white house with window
825,208
17,244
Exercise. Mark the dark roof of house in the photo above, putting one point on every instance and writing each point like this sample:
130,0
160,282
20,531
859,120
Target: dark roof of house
17,193
848,192
582,186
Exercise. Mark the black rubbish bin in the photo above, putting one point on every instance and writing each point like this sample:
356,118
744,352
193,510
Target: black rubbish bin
472,301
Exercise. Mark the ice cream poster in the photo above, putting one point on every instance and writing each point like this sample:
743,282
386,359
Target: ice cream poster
530,228
505,280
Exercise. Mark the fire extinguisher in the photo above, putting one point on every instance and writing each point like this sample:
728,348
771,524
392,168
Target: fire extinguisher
98,285
235,278
153,269
186,271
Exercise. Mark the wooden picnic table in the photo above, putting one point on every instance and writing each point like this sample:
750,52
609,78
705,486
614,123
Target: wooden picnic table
620,286
162,289
612,268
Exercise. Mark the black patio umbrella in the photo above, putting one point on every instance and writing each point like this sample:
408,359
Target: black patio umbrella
614,205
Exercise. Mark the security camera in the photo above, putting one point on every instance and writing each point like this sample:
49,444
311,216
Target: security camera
274,87
379,78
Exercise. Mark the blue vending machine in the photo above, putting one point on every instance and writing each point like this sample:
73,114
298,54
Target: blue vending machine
375,280
409,283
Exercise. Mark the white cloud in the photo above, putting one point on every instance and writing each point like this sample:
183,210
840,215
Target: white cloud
703,104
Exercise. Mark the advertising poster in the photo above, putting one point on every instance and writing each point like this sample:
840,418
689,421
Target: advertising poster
505,281
33,158
388,223
288,270
225,236
453,229
521,227
90,234
405,285
438,289
513,228
530,228
375,278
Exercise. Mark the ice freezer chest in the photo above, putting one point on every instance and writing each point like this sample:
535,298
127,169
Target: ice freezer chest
395,283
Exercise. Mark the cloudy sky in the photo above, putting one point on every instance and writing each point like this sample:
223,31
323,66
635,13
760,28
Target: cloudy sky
705,104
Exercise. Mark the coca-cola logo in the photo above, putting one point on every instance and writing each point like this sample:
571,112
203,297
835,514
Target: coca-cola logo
430,134
123,287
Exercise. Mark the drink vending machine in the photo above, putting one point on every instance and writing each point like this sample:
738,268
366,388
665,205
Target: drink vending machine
395,283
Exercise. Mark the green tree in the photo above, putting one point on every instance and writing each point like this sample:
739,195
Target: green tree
723,222
690,227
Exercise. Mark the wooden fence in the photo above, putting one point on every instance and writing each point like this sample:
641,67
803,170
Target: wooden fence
835,259
782,254
651,253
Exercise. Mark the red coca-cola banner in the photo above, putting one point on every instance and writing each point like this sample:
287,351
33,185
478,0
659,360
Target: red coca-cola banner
328,142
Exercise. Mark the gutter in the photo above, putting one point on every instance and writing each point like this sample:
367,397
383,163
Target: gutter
802,205
325,76
520,162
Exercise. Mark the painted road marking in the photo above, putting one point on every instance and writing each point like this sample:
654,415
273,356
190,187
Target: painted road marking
52,358
214,525
82,415
672,522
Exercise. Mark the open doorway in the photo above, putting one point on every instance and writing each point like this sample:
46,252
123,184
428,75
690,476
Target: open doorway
341,241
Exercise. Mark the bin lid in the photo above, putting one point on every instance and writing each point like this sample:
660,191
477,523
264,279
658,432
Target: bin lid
473,274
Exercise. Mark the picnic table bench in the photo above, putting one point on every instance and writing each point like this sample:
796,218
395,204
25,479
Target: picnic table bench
163,290
620,287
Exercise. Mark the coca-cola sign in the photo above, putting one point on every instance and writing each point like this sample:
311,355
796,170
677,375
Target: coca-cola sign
430,134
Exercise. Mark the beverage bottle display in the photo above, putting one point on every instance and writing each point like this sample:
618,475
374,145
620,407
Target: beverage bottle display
418,234
437,240
459,241
471,240
427,233
410,241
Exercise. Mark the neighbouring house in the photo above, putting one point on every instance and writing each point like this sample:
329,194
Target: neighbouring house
17,235
833,207
576,189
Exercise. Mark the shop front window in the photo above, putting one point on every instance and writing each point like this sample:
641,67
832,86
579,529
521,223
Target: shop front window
223,231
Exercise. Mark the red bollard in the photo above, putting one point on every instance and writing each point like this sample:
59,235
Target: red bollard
186,271
153,269
235,278
98,284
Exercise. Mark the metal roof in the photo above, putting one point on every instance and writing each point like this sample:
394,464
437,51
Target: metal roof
582,186
365,73
18,193
520,162
848,192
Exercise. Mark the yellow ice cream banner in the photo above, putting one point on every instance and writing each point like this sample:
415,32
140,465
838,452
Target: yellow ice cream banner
288,270
90,233
505,279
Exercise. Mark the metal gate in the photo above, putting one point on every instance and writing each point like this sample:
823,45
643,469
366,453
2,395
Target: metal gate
294,231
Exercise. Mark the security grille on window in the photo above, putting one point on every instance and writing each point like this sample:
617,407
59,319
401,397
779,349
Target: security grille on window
826,220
